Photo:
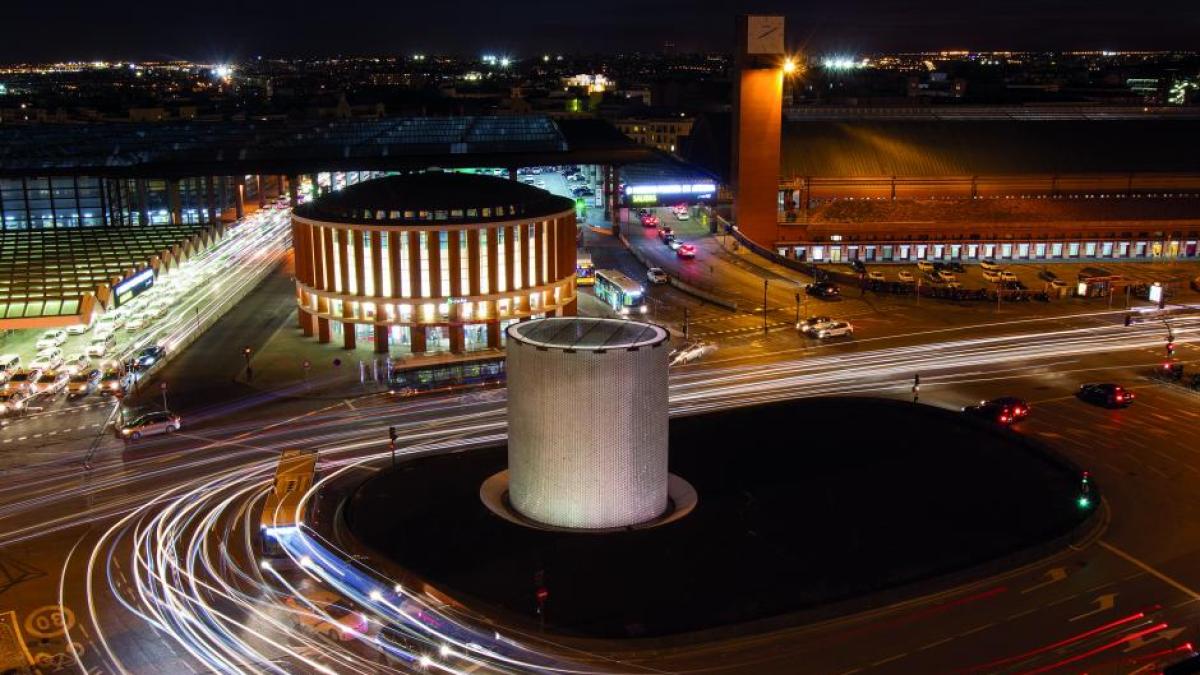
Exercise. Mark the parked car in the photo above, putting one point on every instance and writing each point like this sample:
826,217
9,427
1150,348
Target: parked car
52,383
1047,275
52,338
876,276
905,276
84,383
686,251
991,275
100,344
951,265
1005,275
1003,410
813,323
135,323
690,352
990,265
78,328
835,329
657,275
150,424
76,362
925,266
1106,394
825,290
946,276
48,359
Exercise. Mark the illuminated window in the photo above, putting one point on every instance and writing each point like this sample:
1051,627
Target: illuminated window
444,261
423,242
369,271
501,263
405,277
337,261
385,267
518,254
464,267
483,261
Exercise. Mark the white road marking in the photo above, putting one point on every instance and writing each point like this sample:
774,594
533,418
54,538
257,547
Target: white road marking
1162,577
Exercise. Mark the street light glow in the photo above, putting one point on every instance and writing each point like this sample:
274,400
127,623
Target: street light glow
789,66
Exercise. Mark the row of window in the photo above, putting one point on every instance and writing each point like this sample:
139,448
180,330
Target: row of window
1058,250
440,312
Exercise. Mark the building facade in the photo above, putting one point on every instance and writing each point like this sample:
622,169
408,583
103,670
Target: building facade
433,262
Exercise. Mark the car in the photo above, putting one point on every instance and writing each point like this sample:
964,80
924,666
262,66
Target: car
823,289
78,328
84,382
649,220
905,276
52,383
664,232
156,310
135,323
690,352
112,382
686,251
14,402
681,215
673,243
876,276
22,381
76,362
150,424
835,329
643,212
858,266
951,265
657,275
991,265
669,239
1106,394
991,275
52,338
1003,410
110,323
99,345
1047,275
945,276
325,613
1058,283
1005,275
149,356
924,266
48,359
813,323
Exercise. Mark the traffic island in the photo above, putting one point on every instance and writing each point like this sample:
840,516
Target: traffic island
802,505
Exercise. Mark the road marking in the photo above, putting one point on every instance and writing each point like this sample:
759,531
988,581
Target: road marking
1062,600
1162,577
1052,575
1018,615
931,645
1103,603
889,659
976,630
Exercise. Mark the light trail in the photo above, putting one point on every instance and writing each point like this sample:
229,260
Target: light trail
195,575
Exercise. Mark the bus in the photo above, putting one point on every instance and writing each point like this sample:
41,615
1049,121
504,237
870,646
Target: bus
585,270
409,379
294,477
620,292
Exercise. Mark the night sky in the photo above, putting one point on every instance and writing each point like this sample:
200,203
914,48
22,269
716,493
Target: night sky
217,30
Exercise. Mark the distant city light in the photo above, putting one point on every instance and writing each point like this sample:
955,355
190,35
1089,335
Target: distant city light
505,61
418,57
3,89
843,63
223,71
489,59
545,58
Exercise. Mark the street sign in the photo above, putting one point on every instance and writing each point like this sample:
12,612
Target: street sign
49,621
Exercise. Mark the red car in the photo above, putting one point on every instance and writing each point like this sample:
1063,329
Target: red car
686,251
649,220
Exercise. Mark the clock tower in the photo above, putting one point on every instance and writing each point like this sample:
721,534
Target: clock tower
757,117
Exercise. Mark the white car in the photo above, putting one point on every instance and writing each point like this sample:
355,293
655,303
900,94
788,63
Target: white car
874,275
1007,276
924,265
78,328
905,276
48,359
991,265
945,276
53,382
75,363
136,322
681,215
690,352
52,338
157,310
991,275
110,323
149,425
835,329
657,275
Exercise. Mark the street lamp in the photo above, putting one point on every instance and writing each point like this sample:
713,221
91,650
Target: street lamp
789,66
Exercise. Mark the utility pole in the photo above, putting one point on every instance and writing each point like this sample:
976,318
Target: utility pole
797,309
392,444
916,388
686,332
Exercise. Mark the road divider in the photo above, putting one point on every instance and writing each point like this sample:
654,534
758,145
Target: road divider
679,284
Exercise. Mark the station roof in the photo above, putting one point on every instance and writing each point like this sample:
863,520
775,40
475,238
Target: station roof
193,148
435,196
846,143
575,333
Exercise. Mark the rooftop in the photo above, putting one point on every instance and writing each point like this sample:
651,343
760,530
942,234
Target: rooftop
575,333
436,196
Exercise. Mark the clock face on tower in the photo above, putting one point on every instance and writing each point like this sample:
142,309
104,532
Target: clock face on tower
764,35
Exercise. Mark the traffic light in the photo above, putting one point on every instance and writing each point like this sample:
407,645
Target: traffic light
392,433
1170,349
1085,491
